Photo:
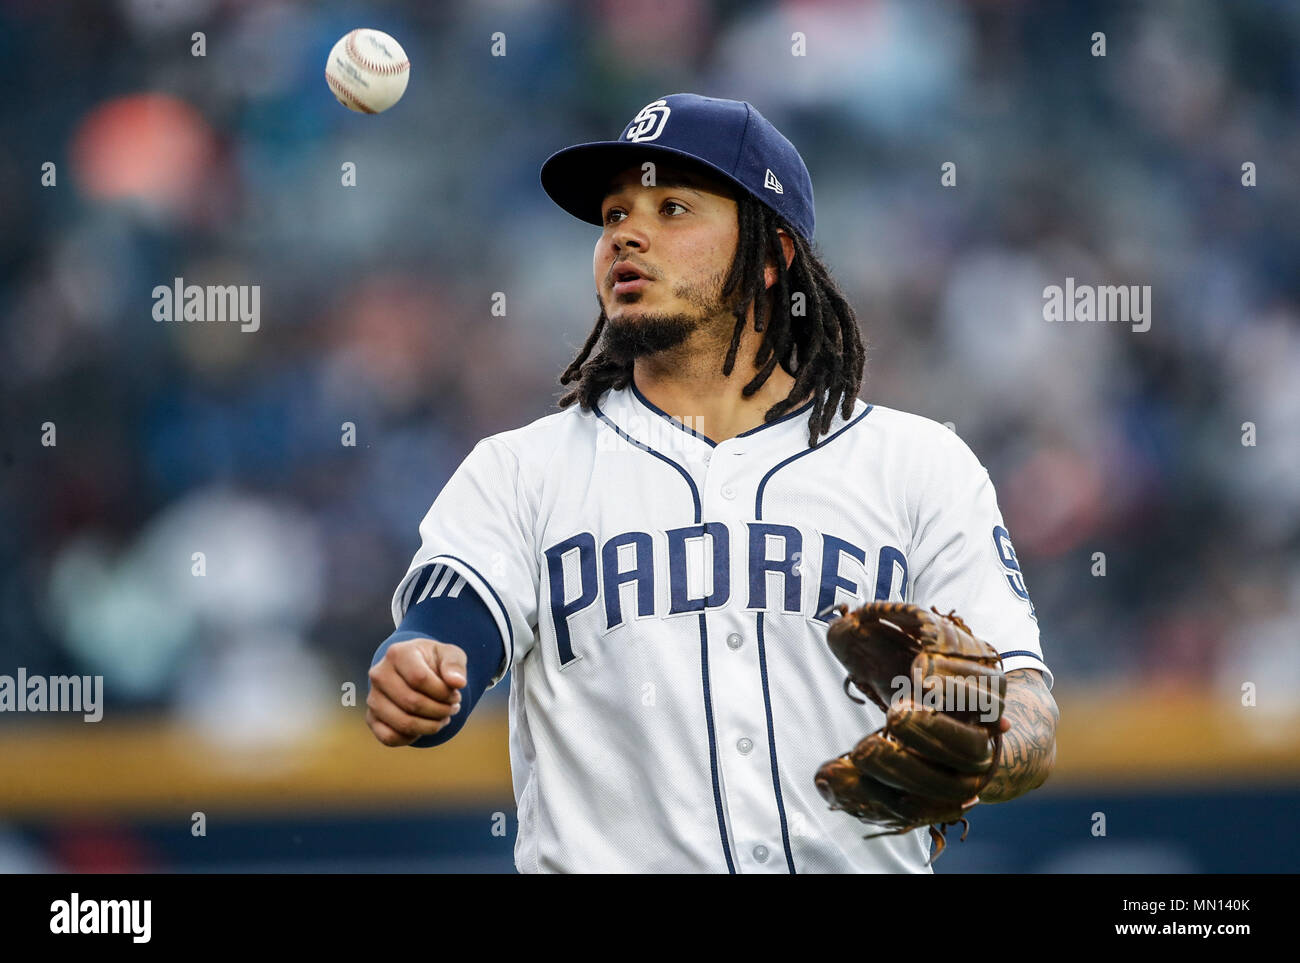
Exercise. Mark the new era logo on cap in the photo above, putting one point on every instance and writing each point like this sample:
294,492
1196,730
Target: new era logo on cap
730,137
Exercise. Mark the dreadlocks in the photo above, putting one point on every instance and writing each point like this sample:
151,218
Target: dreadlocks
822,347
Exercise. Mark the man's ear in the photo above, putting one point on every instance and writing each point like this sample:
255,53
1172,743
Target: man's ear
787,248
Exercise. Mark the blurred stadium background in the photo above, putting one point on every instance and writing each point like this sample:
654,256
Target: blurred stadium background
223,693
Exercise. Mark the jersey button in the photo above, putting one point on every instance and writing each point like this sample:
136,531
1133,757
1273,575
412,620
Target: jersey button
745,746
734,641
728,492
760,853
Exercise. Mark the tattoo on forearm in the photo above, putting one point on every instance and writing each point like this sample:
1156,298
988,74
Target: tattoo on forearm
1029,747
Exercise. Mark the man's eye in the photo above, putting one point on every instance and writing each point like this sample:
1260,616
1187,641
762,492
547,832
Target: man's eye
615,214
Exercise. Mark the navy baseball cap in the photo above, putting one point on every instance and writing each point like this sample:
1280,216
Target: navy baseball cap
729,137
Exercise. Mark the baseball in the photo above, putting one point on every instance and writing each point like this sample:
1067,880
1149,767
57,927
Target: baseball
367,71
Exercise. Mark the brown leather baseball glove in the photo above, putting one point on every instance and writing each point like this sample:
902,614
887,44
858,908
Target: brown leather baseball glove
942,690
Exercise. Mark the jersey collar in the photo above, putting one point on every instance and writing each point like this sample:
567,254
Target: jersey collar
646,423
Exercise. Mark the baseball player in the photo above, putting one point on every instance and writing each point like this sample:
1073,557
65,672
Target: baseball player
659,561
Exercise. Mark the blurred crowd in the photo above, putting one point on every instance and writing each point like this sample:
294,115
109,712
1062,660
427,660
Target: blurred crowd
1160,549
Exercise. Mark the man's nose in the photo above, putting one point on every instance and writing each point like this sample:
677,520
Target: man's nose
630,238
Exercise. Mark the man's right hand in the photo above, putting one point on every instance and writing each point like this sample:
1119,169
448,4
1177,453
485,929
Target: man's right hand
414,690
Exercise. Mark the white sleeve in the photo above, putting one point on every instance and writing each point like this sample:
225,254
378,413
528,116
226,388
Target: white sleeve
480,526
963,558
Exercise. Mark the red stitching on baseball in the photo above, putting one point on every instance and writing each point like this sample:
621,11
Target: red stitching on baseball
342,92
370,64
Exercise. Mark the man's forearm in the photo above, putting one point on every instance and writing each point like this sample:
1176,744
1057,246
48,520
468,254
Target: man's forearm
1029,747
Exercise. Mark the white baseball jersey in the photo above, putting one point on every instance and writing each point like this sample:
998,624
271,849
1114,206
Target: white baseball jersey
658,597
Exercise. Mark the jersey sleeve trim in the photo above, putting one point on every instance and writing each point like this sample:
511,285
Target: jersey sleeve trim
1024,659
411,588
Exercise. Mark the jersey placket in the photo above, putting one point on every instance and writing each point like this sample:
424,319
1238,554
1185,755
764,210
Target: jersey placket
739,701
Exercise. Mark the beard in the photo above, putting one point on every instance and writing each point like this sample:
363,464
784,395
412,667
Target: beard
647,334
